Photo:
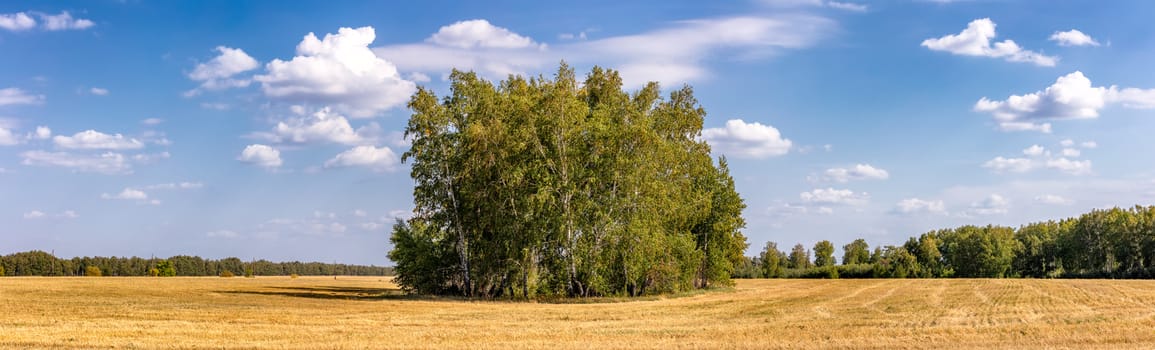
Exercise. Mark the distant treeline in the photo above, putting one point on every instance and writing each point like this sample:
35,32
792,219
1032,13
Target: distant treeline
38,263
1112,243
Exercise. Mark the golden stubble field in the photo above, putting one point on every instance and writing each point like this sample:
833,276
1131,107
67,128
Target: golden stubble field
367,313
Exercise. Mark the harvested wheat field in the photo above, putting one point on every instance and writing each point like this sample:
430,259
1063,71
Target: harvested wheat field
368,312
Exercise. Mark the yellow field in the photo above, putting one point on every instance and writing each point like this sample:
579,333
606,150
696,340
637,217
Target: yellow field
365,312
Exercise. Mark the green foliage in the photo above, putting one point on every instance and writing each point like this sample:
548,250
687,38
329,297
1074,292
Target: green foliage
165,268
824,254
799,257
543,186
773,261
857,252
92,271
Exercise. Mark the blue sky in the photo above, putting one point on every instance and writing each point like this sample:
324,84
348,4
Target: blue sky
272,129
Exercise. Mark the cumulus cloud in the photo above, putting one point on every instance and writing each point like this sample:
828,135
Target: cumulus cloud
109,163
92,139
7,137
339,70
261,155
1073,37
1037,157
22,21
64,21
995,204
833,196
975,40
377,159
915,206
1053,200
1034,150
324,125
221,234
671,55
1071,97
753,140
185,185
1013,165
218,73
857,172
127,194
16,96
16,22
479,33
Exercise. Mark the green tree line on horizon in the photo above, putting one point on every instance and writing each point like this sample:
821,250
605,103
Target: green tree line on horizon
39,263
1104,243
560,187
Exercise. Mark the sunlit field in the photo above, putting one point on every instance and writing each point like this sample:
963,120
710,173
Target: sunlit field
369,312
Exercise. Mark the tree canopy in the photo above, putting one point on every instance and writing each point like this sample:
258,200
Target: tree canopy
551,186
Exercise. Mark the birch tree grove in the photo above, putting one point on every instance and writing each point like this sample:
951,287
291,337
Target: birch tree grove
542,187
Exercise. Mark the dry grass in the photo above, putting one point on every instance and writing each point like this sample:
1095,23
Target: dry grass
366,312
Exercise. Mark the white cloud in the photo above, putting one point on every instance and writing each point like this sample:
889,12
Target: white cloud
1071,97
672,55
377,159
92,139
64,21
975,40
857,172
39,215
479,33
848,6
324,125
127,194
42,133
221,234
915,205
105,163
218,73
995,204
7,137
1053,199
339,70
1014,165
833,196
743,140
16,96
175,186
21,21
17,21
98,91
1073,167
1034,150
1073,37
261,155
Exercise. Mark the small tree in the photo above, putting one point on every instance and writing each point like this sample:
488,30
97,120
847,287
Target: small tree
92,271
799,257
165,268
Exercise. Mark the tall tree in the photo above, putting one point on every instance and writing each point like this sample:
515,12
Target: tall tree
824,254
